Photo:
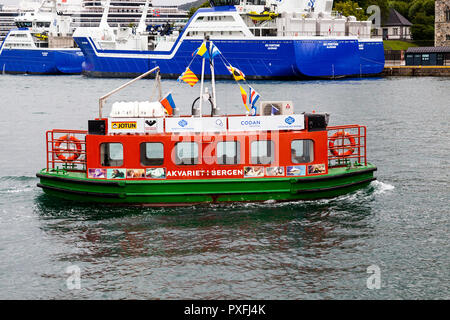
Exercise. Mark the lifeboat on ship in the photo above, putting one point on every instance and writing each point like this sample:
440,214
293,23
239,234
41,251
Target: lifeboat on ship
149,153
262,16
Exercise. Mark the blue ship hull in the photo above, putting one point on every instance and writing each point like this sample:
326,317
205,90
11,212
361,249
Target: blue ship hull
41,61
258,59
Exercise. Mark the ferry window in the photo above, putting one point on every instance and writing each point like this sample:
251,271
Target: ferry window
152,154
186,153
302,151
111,154
228,152
262,152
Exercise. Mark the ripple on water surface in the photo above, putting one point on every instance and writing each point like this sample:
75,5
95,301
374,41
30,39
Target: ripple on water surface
298,250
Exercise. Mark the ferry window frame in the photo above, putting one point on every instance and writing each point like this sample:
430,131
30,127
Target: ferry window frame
145,160
193,161
270,155
303,155
224,160
110,162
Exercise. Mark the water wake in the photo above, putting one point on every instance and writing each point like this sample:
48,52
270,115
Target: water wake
17,184
381,187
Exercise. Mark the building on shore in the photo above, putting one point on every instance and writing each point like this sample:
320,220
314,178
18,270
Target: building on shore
397,27
428,56
442,23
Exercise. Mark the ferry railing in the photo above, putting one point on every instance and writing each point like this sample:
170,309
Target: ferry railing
66,150
347,145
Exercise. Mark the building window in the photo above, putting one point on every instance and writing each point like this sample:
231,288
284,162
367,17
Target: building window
302,151
447,37
262,152
228,152
152,154
447,15
395,30
111,154
186,153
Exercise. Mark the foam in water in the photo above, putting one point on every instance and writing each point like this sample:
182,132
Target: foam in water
381,187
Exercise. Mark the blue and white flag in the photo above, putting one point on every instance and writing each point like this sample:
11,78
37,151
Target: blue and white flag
215,51
275,110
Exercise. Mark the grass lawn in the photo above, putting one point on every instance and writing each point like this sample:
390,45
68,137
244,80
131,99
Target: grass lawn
397,45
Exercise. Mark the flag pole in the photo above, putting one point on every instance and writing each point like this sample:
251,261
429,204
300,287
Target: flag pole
201,85
213,77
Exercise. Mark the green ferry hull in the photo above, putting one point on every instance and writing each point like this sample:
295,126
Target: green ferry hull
75,186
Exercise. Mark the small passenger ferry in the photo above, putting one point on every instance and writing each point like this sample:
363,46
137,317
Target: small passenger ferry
147,153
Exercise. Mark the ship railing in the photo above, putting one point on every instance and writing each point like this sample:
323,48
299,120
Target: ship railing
347,146
314,33
66,150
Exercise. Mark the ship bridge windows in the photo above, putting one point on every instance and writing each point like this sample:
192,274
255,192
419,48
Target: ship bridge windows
302,151
186,153
262,152
42,24
24,24
220,18
228,152
111,154
219,3
18,35
152,154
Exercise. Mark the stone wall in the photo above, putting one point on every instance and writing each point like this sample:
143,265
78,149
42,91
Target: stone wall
416,71
442,27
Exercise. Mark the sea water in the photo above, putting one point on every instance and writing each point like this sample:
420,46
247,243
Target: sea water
389,240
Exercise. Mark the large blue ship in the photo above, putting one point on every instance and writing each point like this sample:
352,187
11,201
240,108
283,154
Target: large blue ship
267,39
42,44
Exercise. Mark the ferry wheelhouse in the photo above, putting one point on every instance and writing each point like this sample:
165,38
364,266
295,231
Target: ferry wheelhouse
147,153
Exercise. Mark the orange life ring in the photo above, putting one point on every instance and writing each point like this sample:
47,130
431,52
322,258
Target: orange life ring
68,139
344,135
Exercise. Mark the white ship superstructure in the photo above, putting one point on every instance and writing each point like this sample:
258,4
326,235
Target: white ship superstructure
89,13
286,39
42,43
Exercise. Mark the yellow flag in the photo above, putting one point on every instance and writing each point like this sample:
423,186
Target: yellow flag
189,77
244,97
237,74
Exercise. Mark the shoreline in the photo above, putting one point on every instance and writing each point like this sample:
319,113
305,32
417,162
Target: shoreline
416,71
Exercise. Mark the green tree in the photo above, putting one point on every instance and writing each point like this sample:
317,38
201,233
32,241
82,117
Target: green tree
401,6
364,4
421,14
350,8
194,9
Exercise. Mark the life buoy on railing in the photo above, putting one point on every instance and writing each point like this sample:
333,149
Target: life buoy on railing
344,135
68,139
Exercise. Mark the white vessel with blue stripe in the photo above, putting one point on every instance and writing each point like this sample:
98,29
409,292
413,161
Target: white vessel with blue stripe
42,44
266,39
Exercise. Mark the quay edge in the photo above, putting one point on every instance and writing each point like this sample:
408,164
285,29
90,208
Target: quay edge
416,71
